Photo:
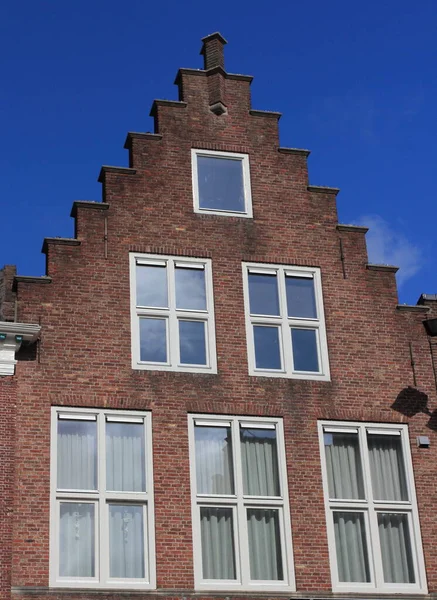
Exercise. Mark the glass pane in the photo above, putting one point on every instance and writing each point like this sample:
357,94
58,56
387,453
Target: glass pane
126,541
264,544
387,467
190,288
397,559
125,461
305,350
214,467
152,286
76,540
267,351
259,459
153,340
220,184
351,547
192,343
343,465
263,294
301,300
217,538
77,455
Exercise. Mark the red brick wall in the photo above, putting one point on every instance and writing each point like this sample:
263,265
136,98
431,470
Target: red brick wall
85,360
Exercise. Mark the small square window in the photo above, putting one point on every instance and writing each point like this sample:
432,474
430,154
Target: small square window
172,313
241,521
221,183
371,510
285,325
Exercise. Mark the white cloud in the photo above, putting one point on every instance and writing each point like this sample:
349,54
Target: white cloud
386,245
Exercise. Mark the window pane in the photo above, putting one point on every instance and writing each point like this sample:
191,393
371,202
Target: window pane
263,294
351,547
220,184
343,465
259,459
192,343
76,540
77,455
301,300
387,467
267,351
214,467
305,350
151,286
397,559
125,464
153,340
264,544
217,538
190,288
126,541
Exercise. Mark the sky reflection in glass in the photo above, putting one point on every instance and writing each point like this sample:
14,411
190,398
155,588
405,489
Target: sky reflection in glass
190,288
267,352
192,342
263,294
221,184
305,350
152,286
301,300
153,340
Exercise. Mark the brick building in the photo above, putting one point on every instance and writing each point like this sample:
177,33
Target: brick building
211,392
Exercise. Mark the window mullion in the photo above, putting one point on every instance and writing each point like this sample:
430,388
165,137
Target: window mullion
102,547
242,542
173,325
286,349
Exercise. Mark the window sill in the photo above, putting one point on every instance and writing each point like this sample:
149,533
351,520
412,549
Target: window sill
137,366
283,375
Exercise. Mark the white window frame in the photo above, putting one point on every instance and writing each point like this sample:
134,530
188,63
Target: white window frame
244,158
239,502
172,315
285,323
101,498
370,509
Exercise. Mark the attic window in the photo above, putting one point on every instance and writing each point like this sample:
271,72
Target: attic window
221,183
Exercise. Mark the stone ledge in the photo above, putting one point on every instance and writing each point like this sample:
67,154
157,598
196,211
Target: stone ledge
352,228
265,113
412,308
59,242
387,268
30,279
116,170
166,103
203,73
93,204
427,298
323,189
135,135
301,151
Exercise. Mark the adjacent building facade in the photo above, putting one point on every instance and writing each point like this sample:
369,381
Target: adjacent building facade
211,392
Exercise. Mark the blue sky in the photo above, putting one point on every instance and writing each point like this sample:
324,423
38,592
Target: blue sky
356,83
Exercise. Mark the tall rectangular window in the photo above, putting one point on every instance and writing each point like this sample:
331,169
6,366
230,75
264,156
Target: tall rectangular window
371,509
102,532
221,183
241,523
285,325
172,314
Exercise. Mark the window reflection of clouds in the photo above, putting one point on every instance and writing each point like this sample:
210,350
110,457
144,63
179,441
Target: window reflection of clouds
153,340
301,299
221,184
192,342
190,288
151,286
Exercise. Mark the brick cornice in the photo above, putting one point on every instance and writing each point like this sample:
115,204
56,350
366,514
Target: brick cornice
116,170
134,135
59,242
166,104
91,204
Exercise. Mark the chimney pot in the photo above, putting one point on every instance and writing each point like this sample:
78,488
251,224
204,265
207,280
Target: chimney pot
212,51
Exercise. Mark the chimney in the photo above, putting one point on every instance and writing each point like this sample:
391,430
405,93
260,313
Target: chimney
212,51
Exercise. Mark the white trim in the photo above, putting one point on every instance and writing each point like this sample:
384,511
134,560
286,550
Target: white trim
370,508
12,335
239,503
76,417
284,323
244,158
173,315
101,498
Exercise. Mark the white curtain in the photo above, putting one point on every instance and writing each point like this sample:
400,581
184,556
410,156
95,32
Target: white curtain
350,543
216,528
125,468
214,471
264,544
343,465
76,540
260,462
387,467
77,455
395,541
126,541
